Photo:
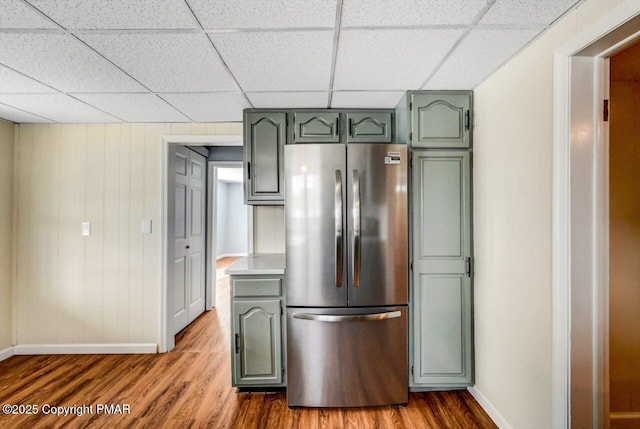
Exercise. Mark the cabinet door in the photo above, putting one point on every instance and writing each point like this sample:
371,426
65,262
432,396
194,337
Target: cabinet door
442,307
257,342
369,127
316,127
264,137
441,119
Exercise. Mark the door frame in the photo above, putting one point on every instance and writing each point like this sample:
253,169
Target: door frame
580,219
212,218
167,338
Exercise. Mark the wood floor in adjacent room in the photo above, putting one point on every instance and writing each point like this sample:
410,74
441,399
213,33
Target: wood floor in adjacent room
191,387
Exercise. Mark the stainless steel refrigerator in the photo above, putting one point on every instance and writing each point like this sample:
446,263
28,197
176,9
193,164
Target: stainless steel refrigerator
346,274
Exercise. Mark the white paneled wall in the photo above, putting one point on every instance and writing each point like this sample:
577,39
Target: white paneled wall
102,288
6,228
268,229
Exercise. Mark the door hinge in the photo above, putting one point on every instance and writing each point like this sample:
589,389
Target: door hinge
605,111
237,343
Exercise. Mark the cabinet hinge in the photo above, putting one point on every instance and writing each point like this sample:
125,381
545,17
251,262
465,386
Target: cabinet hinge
411,106
411,369
237,343
281,311
411,266
469,268
411,136
605,111
467,120
411,162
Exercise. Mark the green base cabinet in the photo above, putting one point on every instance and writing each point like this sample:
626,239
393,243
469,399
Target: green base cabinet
257,308
441,296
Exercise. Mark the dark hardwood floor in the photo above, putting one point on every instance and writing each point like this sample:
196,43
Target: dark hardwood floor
191,387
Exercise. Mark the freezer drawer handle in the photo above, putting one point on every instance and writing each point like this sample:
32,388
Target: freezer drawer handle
338,227
347,318
356,229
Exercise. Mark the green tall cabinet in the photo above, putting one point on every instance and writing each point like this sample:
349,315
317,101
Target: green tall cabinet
437,126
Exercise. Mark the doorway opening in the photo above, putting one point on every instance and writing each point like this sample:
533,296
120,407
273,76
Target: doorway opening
624,239
580,257
170,299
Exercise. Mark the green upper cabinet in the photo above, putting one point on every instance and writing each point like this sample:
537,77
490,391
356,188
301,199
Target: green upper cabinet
316,127
441,119
264,138
369,127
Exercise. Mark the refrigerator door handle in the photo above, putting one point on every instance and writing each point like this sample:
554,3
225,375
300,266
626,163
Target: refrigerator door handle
356,229
338,227
348,318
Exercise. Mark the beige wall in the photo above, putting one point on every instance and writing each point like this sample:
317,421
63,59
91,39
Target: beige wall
6,230
512,220
624,239
103,288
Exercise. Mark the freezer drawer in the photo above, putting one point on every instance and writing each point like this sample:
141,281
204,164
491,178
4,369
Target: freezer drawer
348,357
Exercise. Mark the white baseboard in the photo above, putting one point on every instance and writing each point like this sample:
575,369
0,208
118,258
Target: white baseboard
230,255
497,418
84,349
6,353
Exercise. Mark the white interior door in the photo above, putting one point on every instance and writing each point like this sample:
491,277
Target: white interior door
189,237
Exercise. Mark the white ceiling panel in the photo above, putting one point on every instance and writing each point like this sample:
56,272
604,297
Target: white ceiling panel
62,62
14,14
209,107
12,82
389,59
167,62
134,107
366,99
381,13
14,115
479,54
118,14
219,14
276,61
315,99
57,107
523,12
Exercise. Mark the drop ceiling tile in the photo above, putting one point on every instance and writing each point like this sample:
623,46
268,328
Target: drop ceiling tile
278,61
17,15
166,62
12,82
523,12
219,14
118,14
19,117
63,62
479,55
134,107
389,59
209,107
316,99
366,99
57,107
381,13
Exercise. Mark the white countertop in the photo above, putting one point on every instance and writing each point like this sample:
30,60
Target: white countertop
258,263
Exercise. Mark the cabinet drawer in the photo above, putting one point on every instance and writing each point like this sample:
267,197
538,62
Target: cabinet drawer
257,287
